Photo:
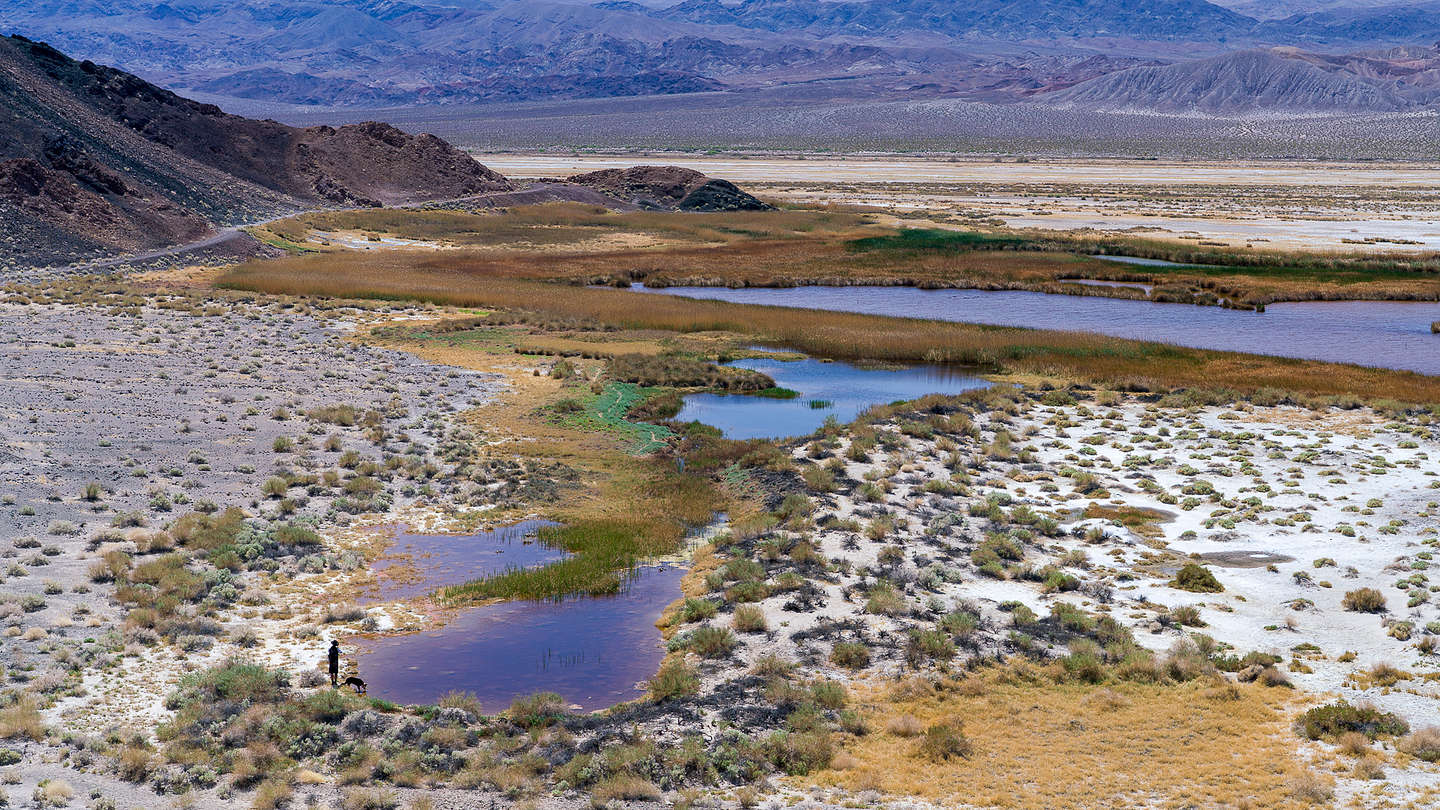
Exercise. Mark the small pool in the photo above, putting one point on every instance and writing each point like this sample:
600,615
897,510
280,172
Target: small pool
826,389
593,651
416,564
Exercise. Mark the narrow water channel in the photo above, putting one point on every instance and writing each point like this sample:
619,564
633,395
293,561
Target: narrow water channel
1384,334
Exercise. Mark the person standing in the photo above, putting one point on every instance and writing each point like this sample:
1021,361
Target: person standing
334,663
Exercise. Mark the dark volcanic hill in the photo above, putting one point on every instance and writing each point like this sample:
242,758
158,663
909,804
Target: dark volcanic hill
668,188
94,160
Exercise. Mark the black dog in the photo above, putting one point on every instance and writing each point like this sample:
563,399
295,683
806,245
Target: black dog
355,682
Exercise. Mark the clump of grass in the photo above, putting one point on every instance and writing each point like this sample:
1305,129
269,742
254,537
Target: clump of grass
1364,600
885,600
1196,578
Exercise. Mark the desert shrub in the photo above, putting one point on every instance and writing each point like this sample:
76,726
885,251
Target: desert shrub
885,600
943,741
710,642
933,644
749,619
675,679
623,787
537,710
22,719
1364,600
829,694
1188,615
1333,719
850,654
694,610
134,763
798,754
959,623
1422,743
1196,578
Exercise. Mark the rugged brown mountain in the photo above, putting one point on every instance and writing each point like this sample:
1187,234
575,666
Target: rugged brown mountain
95,160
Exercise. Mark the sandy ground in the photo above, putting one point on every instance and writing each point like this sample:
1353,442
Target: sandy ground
164,408
1308,507
1322,207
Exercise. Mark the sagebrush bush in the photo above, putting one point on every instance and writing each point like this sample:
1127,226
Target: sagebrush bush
675,679
942,742
1422,743
1333,719
1196,578
850,654
1364,600
749,619
537,711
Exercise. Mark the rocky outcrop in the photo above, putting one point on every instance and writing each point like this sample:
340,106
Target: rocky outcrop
669,188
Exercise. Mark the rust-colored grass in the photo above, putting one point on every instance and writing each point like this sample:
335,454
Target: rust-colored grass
819,247
1047,745
1106,360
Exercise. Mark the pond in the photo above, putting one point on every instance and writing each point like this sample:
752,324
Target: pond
1384,334
416,564
826,389
593,651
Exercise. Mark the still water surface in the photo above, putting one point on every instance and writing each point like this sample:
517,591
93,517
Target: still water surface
1385,334
826,389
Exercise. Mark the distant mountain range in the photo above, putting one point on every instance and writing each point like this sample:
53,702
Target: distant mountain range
374,53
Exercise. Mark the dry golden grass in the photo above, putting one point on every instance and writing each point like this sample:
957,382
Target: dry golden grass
22,719
1077,746
1106,360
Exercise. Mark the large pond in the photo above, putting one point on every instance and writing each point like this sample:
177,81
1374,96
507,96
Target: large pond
415,564
826,389
1369,333
593,651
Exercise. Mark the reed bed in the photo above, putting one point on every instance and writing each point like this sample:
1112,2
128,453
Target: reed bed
847,336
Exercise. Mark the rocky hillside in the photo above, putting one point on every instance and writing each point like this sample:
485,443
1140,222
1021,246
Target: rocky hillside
94,160
1241,83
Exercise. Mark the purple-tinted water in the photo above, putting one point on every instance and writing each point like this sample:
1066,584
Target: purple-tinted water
416,564
593,651
1385,334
